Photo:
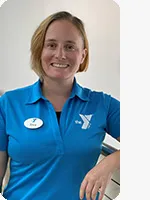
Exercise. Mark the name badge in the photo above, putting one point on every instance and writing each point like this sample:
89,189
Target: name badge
33,123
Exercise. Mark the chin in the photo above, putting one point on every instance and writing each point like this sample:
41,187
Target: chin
57,77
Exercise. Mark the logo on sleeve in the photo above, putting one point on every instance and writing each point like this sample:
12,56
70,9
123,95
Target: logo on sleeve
33,123
86,121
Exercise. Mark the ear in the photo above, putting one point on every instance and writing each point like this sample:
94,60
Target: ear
84,53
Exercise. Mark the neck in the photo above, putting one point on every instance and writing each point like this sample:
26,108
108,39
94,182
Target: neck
55,88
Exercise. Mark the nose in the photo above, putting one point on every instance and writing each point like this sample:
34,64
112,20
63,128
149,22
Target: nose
60,53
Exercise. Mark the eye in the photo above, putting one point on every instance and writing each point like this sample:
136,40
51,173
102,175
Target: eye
51,45
70,47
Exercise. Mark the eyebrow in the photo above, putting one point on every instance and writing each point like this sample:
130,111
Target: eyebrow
70,41
53,40
50,40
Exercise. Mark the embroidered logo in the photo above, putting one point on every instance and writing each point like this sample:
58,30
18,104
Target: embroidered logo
86,121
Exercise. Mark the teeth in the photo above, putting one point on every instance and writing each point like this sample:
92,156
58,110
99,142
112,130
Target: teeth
59,65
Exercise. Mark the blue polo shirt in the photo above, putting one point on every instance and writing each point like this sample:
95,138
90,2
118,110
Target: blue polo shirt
49,160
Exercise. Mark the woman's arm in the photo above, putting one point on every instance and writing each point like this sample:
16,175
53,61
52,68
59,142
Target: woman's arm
3,166
99,176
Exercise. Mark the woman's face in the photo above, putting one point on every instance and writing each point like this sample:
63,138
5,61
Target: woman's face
63,50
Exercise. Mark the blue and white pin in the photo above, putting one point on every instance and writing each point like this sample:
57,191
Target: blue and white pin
33,123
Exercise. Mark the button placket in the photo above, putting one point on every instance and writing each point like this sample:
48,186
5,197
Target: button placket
56,128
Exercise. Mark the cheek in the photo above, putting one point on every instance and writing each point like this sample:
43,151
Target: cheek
75,58
45,57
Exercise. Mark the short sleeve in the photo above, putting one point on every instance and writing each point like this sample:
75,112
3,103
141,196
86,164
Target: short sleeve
113,118
3,135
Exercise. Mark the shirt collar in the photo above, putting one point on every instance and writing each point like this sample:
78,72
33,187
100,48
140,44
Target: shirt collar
36,92
79,91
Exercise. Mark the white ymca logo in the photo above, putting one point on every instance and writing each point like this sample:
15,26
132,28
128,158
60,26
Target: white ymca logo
86,119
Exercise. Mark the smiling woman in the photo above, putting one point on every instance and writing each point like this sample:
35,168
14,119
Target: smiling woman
63,51
53,130
57,30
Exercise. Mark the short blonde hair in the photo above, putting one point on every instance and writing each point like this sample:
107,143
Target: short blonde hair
37,41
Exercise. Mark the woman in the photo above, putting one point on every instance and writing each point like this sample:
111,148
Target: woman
53,130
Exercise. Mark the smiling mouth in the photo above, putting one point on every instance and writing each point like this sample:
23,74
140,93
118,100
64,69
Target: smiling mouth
57,65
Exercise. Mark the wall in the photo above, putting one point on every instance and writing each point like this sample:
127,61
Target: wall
18,20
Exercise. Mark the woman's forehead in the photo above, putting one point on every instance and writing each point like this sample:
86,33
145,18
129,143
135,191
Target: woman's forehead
62,29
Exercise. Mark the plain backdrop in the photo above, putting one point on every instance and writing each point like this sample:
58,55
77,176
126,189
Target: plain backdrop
18,21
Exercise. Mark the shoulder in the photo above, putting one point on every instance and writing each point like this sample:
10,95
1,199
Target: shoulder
18,93
100,96
102,99
105,99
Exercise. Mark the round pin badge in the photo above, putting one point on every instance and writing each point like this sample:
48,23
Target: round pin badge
33,123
